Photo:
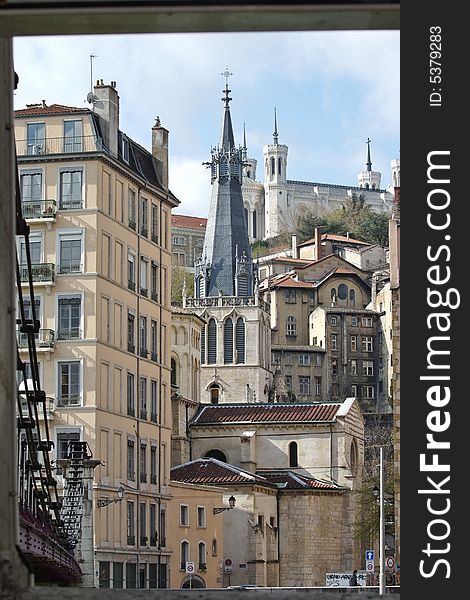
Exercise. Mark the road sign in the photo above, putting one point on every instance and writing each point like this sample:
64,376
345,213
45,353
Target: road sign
228,562
369,555
190,566
390,562
370,566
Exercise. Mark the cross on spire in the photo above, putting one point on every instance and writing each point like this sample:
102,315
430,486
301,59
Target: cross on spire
369,162
226,74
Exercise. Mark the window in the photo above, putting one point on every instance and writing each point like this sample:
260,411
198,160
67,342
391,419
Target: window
144,219
293,455
367,367
354,321
304,359
163,527
131,572
367,344
228,341
143,397
36,138
153,400
367,391
318,360
118,575
353,370
131,271
70,253
184,554
178,240
212,342
143,276
288,358
154,282
153,524
153,464
334,341
131,209
203,346
70,316
289,296
125,149
201,554
35,249
143,463
31,193
130,331
104,574
367,321
130,526
342,291
275,358
69,383
240,340
153,340
130,460
71,189
352,297
64,436
143,344
184,515
201,516
353,343
73,136
354,391
214,547
291,326
154,224
304,385
317,386
174,372
130,395
334,366
334,321
143,524
288,380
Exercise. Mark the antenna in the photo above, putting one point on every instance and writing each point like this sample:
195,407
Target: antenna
92,56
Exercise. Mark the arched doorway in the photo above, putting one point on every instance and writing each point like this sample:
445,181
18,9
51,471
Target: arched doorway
193,581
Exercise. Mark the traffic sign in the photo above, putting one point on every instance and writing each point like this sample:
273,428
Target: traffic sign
369,555
390,562
369,565
190,566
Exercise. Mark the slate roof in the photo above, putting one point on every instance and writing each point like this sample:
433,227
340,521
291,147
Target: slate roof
217,414
295,481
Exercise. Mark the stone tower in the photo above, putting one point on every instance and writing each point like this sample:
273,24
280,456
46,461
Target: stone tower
369,179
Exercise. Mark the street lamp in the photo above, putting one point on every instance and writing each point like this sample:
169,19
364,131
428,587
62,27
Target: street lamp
379,495
231,504
120,496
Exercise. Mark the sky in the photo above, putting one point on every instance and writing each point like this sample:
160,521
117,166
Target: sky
332,90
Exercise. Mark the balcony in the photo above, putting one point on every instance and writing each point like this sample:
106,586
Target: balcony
47,411
43,273
69,334
70,400
44,210
48,146
44,340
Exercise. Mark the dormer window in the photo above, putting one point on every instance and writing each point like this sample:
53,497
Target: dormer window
125,149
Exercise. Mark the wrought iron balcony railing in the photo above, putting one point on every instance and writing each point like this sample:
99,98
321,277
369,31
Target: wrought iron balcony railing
60,145
44,339
39,209
49,408
41,272
69,400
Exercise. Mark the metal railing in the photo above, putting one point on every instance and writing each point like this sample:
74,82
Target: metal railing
41,272
39,209
60,145
44,339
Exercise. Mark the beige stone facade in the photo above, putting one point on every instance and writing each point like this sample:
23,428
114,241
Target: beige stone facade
101,254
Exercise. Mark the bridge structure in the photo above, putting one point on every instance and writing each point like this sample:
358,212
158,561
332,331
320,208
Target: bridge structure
49,517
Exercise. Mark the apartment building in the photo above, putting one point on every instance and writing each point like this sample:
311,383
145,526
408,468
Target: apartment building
99,211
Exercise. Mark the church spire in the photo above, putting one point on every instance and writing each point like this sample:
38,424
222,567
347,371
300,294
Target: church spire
369,162
227,267
275,136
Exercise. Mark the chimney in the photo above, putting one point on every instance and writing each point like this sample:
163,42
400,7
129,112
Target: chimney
317,243
247,448
294,245
107,108
160,151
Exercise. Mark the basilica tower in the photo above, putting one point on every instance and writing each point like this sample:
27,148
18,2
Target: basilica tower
369,179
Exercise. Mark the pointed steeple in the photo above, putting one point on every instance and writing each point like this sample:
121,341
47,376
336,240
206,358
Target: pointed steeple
227,269
275,135
369,162
244,143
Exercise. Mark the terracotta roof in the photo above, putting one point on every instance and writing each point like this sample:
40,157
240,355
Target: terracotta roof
296,481
333,237
215,414
288,282
54,109
210,471
189,222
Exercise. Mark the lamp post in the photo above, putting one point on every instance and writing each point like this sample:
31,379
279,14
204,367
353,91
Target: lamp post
120,496
379,494
231,504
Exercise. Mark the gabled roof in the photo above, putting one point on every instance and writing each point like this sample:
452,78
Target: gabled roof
188,222
269,413
333,237
295,481
210,471
343,272
54,109
287,281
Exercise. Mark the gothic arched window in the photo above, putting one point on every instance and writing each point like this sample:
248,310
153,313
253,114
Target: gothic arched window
203,346
212,342
228,341
273,166
293,455
174,374
240,340
352,297
254,232
279,166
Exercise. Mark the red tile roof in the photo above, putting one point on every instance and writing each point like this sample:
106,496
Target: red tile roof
54,109
216,414
333,237
210,471
287,281
188,222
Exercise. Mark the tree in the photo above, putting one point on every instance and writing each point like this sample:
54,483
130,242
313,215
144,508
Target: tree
179,278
